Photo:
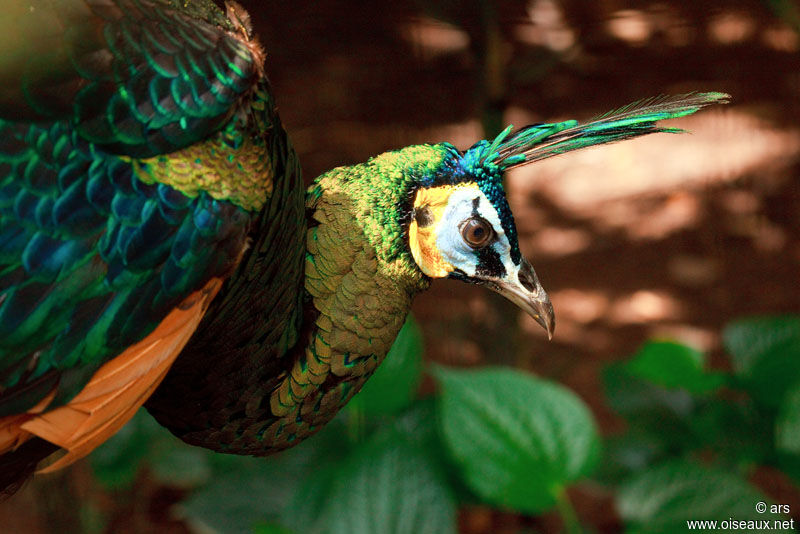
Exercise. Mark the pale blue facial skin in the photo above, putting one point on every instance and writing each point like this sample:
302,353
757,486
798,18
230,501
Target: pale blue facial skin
450,242
518,283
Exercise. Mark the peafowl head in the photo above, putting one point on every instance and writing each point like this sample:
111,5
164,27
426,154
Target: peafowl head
461,227
433,211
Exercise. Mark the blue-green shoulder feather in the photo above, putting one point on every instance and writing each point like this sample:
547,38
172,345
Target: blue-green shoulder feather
91,257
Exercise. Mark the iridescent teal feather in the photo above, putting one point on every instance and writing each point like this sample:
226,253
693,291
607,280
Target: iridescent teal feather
92,257
541,141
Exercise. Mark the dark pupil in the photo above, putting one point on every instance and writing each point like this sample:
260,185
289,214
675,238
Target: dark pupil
476,232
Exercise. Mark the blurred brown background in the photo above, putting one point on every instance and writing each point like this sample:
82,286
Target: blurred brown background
671,235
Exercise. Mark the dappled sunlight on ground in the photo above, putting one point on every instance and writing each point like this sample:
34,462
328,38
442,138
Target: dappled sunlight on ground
781,38
732,27
723,146
631,26
547,27
431,37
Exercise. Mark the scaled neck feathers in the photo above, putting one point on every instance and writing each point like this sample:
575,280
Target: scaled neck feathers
360,277
377,198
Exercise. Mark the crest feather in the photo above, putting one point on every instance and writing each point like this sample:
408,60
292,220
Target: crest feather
541,141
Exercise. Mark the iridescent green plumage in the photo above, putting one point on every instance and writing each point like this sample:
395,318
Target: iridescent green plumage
141,156
541,141
93,254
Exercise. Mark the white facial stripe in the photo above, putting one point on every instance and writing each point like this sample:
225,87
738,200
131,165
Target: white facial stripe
460,207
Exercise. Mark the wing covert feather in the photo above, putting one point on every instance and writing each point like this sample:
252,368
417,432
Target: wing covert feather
92,257
135,77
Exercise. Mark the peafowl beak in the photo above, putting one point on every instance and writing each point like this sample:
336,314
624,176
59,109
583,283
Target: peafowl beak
526,292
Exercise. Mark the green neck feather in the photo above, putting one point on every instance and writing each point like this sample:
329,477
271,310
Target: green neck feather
253,380
200,9
377,196
360,277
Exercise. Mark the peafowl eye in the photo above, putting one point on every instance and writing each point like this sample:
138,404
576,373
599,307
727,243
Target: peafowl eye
157,246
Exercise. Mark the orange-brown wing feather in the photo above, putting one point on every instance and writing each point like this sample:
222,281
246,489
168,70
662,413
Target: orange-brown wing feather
115,391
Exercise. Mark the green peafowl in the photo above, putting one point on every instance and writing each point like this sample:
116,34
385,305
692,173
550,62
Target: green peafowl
157,246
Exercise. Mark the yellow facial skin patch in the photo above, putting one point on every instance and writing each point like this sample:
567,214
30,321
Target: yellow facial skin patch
422,238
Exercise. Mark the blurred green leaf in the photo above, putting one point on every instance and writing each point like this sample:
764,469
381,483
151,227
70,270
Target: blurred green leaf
117,461
630,452
734,429
270,528
679,421
307,506
628,394
235,502
765,353
787,433
775,374
144,442
420,425
748,340
312,488
394,384
390,486
518,439
672,365
244,492
317,498
663,499
177,464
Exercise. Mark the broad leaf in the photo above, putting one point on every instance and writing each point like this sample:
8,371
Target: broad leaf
734,428
787,433
787,438
245,492
420,425
630,395
678,421
748,340
518,440
628,453
766,356
673,365
310,495
665,498
394,384
389,487
236,501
